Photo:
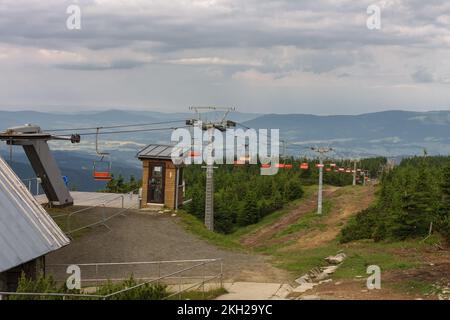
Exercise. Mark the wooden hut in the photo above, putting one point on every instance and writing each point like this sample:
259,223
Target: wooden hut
162,180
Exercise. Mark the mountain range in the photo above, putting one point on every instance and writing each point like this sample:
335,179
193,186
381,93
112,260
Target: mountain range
390,133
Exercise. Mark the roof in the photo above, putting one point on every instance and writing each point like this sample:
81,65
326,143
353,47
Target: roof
156,151
27,231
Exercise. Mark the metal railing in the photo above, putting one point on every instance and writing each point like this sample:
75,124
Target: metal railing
30,182
103,215
182,280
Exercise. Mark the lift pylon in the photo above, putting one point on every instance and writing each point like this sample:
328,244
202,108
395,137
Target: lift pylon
34,142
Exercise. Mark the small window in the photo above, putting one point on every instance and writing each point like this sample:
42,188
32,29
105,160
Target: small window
180,176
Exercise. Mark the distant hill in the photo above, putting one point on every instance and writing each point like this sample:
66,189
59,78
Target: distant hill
76,166
93,119
390,133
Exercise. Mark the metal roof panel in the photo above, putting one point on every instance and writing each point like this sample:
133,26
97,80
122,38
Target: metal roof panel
26,230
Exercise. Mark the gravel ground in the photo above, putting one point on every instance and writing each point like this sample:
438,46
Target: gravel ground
141,236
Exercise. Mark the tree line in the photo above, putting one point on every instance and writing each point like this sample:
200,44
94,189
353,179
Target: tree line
414,199
242,196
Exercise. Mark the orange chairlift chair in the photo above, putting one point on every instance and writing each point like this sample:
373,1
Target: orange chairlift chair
102,167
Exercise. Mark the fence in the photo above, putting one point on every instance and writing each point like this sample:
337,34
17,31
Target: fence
94,215
179,280
33,185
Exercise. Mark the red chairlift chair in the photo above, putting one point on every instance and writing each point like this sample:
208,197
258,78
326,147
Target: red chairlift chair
304,166
102,167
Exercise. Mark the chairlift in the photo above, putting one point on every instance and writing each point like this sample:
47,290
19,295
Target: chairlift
288,164
102,167
304,166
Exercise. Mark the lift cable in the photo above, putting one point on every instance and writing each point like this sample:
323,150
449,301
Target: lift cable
115,126
130,131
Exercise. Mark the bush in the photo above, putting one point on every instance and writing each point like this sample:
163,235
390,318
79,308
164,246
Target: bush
48,285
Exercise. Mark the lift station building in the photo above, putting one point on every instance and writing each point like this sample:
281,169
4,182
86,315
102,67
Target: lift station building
162,179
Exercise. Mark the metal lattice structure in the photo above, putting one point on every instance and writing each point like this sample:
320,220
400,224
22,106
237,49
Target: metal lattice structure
210,125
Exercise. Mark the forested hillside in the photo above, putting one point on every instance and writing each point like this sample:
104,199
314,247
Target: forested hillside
414,197
243,196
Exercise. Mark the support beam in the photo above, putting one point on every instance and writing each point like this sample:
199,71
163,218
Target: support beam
45,167
35,145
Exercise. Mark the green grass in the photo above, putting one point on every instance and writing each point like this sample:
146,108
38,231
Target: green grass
360,255
231,241
416,287
270,218
195,226
60,216
310,221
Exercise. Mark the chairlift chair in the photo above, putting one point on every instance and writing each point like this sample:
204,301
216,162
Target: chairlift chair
288,164
304,166
102,167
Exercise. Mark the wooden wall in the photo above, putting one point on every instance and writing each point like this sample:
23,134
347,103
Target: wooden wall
169,183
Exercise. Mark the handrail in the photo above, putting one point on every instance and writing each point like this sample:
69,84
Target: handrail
203,262
135,263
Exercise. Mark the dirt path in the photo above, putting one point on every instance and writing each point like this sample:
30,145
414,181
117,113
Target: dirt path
346,202
155,237
395,284
262,236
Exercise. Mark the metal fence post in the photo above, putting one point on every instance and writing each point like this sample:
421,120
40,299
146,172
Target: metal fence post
68,224
221,274
204,279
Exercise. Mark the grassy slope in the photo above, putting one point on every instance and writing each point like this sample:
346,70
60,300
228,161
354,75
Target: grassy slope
298,261
232,241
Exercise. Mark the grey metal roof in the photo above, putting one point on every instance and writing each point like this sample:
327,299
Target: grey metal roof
156,151
26,230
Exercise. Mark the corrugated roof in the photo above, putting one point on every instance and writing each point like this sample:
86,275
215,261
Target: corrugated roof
156,151
26,230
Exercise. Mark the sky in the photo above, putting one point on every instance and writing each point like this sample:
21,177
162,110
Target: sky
261,56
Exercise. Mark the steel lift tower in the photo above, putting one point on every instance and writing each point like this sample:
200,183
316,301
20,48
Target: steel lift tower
34,142
209,126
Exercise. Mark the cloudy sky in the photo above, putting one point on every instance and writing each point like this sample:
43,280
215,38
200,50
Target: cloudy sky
284,56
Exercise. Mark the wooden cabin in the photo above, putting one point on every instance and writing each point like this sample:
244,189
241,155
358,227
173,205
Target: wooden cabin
162,180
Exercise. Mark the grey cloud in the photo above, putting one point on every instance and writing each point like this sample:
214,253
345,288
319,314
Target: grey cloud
422,76
114,65
331,38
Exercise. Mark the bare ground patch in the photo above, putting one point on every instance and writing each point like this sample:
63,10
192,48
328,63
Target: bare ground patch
140,236
263,236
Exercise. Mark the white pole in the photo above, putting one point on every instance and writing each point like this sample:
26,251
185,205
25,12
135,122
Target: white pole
319,198
177,188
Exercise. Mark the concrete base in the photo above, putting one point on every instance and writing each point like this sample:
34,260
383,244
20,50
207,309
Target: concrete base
255,291
109,200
